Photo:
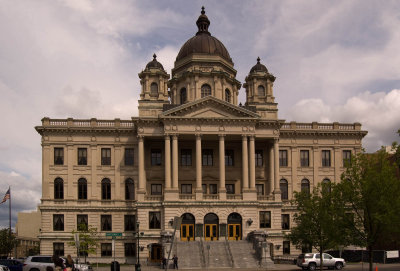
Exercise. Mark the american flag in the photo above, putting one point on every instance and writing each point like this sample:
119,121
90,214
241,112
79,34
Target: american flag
6,196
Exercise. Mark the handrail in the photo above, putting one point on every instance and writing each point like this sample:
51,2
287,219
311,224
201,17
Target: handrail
203,257
228,248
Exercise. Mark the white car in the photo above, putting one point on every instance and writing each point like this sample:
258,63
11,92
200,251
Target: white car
40,263
311,261
4,268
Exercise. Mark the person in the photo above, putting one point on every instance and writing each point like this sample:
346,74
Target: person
70,263
175,258
164,263
58,263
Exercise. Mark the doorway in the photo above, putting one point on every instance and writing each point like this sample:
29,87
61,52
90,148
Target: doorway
211,223
187,227
234,226
156,253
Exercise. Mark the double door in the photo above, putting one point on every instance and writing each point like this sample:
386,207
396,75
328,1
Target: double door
187,232
210,232
234,232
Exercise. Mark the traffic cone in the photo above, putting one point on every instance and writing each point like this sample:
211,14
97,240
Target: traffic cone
376,268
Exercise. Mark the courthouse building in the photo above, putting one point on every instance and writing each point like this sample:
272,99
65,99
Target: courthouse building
194,152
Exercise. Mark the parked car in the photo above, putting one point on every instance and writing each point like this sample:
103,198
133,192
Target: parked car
12,264
39,263
310,261
4,268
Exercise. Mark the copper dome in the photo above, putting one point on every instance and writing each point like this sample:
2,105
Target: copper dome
259,67
154,63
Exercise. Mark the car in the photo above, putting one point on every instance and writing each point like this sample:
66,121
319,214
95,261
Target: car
310,261
40,263
4,268
12,264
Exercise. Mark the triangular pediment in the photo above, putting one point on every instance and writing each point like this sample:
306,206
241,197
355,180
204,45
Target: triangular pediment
209,107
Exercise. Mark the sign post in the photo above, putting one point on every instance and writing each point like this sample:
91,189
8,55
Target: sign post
114,236
77,244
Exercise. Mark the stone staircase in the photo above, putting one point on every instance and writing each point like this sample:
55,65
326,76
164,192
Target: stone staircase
243,254
218,255
189,255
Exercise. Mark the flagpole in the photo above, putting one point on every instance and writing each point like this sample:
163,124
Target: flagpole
9,208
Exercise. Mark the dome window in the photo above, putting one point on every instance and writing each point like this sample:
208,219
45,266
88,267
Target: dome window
153,89
183,95
205,90
261,91
228,95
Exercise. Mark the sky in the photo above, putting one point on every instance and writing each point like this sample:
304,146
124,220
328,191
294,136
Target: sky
334,61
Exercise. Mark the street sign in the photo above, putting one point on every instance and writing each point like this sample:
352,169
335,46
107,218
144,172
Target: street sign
113,234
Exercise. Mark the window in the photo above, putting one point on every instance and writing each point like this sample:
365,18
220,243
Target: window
260,189
186,157
227,95
306,248
58,156
326,185
130,249
229,158
128,157
154,220
129,189
286,247
305,186
129,223
153,89
285,222
106,189
183,95
106,250
326,158
106,224
186,189
259,158
213,189
156,189
204,188
207,157
261,91
230,188
82,188
58,188
82,156
284,189
265,219
205,90
304,158
156,157
105,156
82,222
283,159
58,222
346,158
58,249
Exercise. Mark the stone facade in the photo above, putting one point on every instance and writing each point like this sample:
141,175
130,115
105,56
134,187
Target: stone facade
193,152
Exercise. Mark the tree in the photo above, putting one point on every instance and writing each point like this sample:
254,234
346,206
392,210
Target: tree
7,242
317,220
370,190
88,239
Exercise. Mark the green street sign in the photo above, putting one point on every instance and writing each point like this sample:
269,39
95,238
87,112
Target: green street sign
113,234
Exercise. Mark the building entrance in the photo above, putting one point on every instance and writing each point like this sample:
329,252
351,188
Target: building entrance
211,223
234,226
187,227
156,253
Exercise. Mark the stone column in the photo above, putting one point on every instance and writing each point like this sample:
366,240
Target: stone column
252,166
271,170
199,190
245,163
167,162
142,177
277,190
175,162
222,189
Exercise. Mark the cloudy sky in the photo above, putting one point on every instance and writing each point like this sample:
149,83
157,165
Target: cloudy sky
334,61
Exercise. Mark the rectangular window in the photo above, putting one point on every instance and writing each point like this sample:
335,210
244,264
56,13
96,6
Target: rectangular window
154,220
283,159
186,157
265,219
260,189
207,157
130,249
156,189
204,188
259,158
58,156
229,158
58,249
82,156
58,222
106,224
230,188
82,222
156,157
105,156
128,157
286,247
346,158
326,158
129,222
186,189
106,249
304,158
285,222
213,189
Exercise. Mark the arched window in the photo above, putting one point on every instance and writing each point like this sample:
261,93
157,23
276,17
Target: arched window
129,189
205,90
305,186
106,189
153,89
58,188
326,185
82,188
228,95
284,189
183,95
261,91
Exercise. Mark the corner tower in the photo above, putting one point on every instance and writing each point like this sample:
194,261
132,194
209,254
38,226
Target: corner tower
202,68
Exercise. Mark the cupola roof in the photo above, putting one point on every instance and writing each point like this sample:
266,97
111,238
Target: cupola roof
154,64
259,67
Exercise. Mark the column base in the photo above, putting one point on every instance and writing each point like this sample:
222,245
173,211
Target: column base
277,195
199,194
140,194
171,194
222,193
249,194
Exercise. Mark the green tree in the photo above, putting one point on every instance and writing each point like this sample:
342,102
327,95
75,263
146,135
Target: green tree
317,220
370,190
88,239
7,242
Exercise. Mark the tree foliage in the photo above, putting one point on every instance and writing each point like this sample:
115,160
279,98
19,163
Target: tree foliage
7,241
88,239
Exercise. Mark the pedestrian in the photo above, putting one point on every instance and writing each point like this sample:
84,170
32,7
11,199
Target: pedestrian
175,258
164,263
70,263
58,263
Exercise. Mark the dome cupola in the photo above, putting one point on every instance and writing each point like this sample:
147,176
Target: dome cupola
154,64
259,67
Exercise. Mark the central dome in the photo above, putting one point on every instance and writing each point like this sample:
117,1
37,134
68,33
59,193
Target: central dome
203,42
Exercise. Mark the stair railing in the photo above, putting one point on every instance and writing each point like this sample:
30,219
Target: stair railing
229,252
202,255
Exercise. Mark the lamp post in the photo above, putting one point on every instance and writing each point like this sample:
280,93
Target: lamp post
137,266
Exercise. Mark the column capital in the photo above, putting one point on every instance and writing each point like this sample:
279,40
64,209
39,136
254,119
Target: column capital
252,137
221,135
140,137
244,137
175,136
276,140
198,135
166,137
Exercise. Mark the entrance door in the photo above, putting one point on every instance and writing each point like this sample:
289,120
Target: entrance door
187,232
234,232
211,232
155,253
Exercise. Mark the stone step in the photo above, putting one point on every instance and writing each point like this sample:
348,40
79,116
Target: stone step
243,254
217,256
189,254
